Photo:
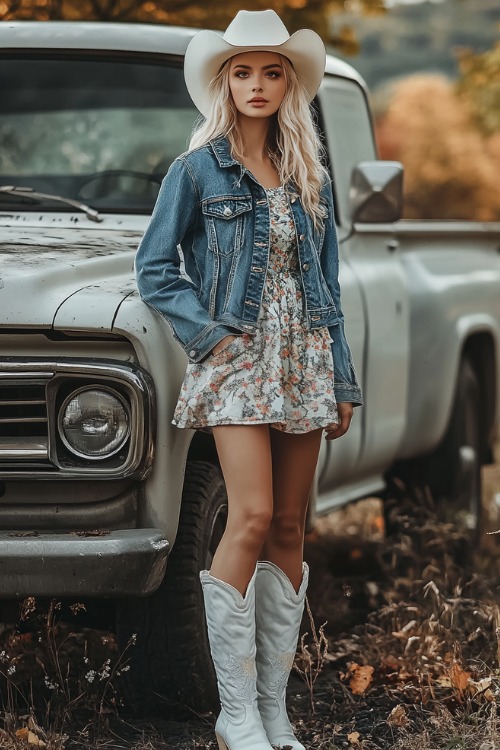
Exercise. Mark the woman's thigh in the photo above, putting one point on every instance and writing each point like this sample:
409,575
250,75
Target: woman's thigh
294,459
245,458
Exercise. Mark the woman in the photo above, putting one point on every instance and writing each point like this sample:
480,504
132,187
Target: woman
257,311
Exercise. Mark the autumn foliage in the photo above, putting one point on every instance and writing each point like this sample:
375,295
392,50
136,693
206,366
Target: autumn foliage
451,163
296,14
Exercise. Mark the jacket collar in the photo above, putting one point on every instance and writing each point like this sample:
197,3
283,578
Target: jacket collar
222,150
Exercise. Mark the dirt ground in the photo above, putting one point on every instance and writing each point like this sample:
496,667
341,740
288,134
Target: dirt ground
401,651
390,606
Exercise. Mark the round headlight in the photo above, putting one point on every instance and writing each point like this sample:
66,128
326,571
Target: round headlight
94,423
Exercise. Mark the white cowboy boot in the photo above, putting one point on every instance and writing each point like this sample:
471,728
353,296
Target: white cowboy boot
231,632
278,612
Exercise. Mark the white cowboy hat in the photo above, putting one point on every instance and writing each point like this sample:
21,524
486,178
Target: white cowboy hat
252,31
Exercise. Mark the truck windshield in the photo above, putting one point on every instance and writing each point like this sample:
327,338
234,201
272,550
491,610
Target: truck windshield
101,130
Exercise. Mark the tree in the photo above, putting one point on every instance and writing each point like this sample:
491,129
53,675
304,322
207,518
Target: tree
479,86
451,167
296,14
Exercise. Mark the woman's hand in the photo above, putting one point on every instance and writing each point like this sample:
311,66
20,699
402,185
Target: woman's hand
334,431
223,343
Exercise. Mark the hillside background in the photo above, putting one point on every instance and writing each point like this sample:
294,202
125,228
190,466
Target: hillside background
421,37
433,71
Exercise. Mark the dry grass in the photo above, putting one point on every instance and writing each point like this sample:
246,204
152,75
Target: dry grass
409,657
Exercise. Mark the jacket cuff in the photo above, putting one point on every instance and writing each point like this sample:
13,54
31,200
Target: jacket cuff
345,392
200,347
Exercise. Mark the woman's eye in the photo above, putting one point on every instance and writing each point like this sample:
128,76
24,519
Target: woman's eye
273,74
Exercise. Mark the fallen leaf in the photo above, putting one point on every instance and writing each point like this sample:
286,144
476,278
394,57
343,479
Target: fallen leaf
482,687
353,738
398,717
444,681
459,677
360,677
30,737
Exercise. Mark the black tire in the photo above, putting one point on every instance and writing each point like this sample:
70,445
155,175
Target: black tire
171,659
451,475
455,476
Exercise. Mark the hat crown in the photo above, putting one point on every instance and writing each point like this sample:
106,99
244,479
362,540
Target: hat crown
256,29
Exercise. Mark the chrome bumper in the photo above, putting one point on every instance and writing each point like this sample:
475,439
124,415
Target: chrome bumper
122,563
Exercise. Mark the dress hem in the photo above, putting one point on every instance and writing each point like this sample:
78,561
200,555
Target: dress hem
273,423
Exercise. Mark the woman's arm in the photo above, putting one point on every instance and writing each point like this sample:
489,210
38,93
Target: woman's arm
157,265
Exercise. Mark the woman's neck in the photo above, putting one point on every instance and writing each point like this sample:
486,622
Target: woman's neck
254,136
255,154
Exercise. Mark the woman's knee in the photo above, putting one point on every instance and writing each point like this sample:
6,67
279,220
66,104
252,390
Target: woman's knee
251,526
287,529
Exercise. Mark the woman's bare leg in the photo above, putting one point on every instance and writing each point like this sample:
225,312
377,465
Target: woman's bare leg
245,458
294,459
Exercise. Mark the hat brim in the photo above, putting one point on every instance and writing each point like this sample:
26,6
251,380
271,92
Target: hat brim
207,51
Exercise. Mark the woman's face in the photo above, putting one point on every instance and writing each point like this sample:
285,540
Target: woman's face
257,83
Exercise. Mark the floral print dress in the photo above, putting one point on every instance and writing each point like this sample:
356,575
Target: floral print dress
282,374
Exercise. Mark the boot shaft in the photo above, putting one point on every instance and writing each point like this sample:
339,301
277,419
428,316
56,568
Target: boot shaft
231,632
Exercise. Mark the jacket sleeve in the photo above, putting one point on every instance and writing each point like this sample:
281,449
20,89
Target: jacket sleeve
157,265
346,386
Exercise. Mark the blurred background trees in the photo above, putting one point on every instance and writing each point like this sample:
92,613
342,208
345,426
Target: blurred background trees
433,69
296,14
451,165
434,75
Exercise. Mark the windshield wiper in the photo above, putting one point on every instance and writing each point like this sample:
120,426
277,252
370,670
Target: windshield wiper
28,192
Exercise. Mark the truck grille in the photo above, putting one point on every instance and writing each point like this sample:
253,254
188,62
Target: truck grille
23,418
32,394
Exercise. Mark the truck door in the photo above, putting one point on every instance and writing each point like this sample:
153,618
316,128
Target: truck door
375,308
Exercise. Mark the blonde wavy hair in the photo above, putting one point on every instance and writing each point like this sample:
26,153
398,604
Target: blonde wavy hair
293,142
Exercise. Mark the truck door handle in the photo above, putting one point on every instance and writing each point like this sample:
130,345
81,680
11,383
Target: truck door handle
392,245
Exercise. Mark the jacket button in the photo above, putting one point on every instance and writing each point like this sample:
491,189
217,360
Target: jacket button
305,266
192,353
302,237
227,211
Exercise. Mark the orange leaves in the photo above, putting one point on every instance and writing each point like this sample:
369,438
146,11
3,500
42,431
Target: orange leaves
30,738
353,738
451,167
461,682
398,716
459,677
359,677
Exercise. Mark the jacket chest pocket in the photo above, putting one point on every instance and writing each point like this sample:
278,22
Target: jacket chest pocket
225,220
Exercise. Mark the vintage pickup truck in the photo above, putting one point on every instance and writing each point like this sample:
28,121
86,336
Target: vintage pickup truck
100,497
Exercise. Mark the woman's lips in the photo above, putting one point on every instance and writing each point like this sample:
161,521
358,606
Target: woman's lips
258,102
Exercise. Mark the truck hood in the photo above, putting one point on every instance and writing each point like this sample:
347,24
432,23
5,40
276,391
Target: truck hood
64,278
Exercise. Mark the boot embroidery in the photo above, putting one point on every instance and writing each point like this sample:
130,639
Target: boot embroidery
243,674
281,664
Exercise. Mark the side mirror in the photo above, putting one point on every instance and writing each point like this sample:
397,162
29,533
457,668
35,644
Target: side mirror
376,192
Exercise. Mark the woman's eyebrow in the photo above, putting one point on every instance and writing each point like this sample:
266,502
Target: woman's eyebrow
264,67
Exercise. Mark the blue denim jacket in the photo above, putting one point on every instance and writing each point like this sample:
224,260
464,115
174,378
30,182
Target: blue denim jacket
214,211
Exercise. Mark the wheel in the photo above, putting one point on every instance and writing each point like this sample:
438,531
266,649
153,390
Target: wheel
171,659
452,473
455,476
